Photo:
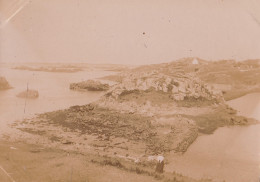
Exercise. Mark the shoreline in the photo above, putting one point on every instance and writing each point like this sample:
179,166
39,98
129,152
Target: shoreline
241,94
148,114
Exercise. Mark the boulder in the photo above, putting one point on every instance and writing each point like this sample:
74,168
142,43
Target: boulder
179,96
175,89
31,94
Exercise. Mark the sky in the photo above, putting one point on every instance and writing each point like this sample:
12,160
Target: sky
128,31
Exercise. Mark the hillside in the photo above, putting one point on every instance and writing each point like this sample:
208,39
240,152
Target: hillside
234,79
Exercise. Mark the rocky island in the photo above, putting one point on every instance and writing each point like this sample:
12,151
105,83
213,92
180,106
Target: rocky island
31,94
4,84
90,85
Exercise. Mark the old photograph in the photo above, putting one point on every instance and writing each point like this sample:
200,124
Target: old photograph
129,91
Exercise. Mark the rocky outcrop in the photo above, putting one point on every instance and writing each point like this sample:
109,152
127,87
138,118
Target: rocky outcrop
178,87
89,85
117,131
4,84
31,94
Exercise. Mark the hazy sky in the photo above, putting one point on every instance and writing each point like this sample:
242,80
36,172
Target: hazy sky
128,31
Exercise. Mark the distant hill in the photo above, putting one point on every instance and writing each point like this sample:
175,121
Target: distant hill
4,84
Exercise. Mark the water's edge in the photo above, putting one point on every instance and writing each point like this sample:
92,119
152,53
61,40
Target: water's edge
228,152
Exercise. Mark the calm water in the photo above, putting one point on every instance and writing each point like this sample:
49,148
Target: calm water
248,105
54,93
231,153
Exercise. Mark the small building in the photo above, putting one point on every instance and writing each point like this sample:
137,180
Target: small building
195,61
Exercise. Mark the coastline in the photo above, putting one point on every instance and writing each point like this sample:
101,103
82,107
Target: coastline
144,116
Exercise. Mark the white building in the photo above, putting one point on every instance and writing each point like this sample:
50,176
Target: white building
195,61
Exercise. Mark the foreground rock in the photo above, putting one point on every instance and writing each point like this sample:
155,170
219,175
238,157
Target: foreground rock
32,94
4,84
89,85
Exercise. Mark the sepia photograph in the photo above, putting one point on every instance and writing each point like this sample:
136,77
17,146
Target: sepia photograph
129,90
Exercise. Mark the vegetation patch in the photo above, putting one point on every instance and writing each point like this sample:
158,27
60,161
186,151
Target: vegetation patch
141,97
195,102
139,168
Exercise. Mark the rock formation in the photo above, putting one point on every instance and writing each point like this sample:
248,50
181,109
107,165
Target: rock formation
32,94
4,84
89,85
179,86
